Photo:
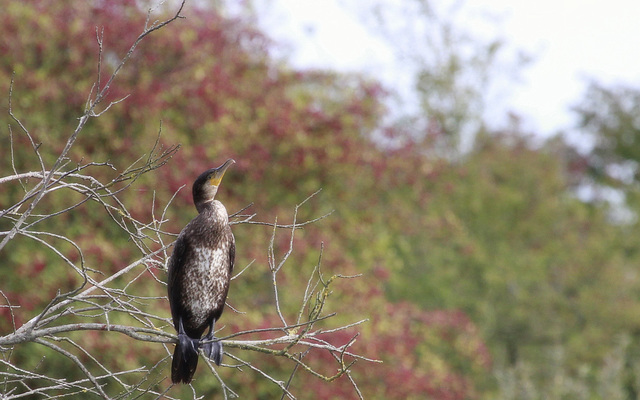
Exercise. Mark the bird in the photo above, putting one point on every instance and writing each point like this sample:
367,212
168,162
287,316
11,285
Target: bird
199,271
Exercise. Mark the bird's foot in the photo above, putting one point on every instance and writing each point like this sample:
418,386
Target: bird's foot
188,345
213,350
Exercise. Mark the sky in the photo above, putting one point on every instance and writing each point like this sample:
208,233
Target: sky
570,42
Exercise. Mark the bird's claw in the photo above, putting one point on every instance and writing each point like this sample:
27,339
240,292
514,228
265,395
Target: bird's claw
213,350
187,344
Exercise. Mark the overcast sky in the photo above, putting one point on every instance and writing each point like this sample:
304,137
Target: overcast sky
571,41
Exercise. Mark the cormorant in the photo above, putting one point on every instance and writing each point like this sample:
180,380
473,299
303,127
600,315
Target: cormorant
199,271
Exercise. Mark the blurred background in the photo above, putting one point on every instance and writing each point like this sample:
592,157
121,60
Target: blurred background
481,159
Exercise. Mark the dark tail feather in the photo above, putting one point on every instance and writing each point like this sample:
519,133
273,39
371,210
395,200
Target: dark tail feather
185,360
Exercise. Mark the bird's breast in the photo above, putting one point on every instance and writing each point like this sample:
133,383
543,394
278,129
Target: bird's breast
205,282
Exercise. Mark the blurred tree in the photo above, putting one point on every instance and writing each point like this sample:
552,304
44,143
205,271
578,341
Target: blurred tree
217,92
501,234
608,118
447,74
507,241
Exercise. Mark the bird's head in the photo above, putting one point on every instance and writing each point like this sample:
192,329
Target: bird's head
206,185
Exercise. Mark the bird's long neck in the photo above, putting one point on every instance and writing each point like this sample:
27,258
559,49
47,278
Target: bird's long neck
204,205
213,209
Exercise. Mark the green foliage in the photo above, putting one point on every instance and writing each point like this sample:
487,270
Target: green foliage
511,246
607,116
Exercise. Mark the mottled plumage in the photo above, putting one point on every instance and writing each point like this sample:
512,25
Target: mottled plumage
199,271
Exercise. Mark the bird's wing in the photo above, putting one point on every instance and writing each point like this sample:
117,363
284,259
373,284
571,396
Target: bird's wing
232,254
175,265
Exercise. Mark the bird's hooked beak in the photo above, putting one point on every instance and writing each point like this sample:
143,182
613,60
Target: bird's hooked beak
216,176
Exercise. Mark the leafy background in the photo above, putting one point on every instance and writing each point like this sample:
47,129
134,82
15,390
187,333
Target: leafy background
484,273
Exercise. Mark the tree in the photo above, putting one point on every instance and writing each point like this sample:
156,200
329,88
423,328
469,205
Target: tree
446,73
86,298
607,117
212,85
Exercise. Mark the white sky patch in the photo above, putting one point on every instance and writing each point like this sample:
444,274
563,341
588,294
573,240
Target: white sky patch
324,35
571,41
